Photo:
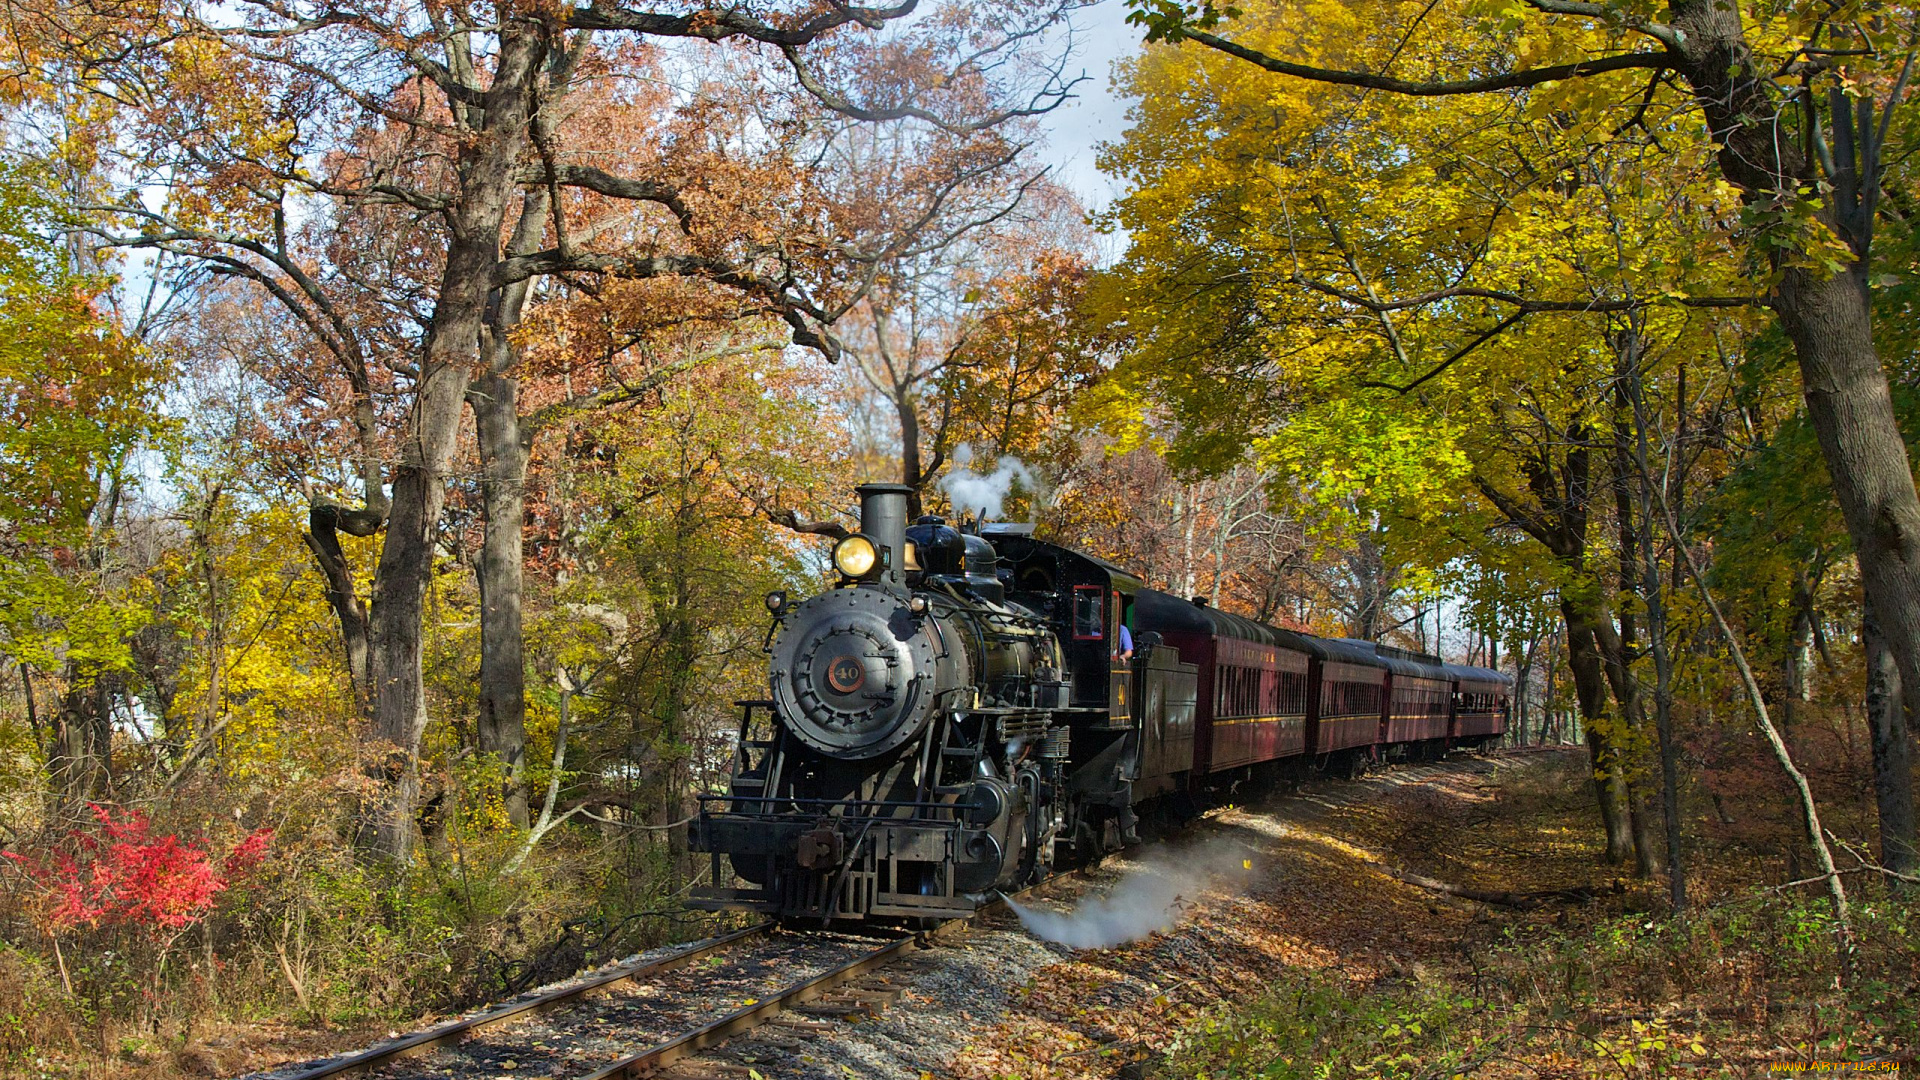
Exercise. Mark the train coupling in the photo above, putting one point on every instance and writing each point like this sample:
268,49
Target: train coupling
821,849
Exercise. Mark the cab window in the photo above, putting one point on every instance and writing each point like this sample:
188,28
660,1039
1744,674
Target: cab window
1089,622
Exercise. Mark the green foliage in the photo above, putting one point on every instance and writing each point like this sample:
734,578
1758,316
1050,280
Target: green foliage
76,399
1170,20
1313,1025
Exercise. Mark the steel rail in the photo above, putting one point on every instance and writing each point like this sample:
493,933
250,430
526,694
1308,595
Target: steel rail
436,1037
749,1017
647,1062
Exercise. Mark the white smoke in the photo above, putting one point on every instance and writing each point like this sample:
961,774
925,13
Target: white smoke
1149,898
984,495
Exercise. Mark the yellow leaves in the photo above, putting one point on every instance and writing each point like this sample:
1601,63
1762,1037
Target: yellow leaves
1358,454
262,661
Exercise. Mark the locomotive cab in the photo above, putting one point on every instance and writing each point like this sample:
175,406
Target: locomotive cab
1087,600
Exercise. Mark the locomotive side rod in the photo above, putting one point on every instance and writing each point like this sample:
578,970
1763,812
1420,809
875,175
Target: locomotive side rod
446,1034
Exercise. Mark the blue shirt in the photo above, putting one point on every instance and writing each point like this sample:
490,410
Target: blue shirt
1126,639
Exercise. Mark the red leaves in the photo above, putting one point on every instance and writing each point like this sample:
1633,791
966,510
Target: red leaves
247,853
125,875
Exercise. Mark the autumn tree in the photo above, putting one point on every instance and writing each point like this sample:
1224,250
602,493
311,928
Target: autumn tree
1448,343
1796,110
79,401
970,334
447,133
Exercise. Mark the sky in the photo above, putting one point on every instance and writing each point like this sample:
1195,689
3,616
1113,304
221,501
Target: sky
1094,115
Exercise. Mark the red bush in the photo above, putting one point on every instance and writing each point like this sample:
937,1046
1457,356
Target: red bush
126,876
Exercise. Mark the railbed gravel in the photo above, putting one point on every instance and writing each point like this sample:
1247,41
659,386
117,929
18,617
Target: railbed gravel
951,994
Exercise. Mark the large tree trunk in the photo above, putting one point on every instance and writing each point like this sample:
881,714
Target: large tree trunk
506,445
1828,317
504,449
82,762
406,563
488,165
1851,407
1892,765
1590,691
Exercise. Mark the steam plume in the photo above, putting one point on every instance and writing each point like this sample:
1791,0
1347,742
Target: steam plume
985,495
1148,898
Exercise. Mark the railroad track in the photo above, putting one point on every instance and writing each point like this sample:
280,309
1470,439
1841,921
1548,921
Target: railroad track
637,1020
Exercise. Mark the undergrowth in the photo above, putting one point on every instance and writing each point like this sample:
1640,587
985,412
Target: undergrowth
1751,977
311,941
1722,992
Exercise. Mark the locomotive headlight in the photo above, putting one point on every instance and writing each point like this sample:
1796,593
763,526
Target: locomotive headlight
776,602
917,605
855,556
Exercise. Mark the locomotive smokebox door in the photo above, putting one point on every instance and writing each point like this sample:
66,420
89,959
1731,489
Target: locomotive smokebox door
821,849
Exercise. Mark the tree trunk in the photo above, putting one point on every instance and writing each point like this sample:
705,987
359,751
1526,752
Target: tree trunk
1892,765
504,449
1653,592
1800,643
1669,741
912,472
1617,649
1852,412
83,740
505,444
1549,723
1590,689
1522,687
1626,695
682,656
325,521
1828,317
406,563
488,165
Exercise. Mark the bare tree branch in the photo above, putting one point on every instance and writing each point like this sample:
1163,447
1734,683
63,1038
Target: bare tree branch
1512,80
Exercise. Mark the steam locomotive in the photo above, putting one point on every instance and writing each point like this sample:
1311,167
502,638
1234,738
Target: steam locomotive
962,714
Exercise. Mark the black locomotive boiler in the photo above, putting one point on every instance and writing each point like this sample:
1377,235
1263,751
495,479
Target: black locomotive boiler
963,712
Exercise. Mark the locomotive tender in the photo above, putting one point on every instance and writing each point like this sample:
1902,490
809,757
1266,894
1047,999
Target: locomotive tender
960,714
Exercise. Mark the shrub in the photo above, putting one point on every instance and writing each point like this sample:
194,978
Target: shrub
118,896
34,1017
127,876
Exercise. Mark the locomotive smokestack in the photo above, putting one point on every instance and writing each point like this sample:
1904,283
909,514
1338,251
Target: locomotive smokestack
883,516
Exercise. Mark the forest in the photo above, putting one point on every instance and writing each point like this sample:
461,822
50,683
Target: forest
409,406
